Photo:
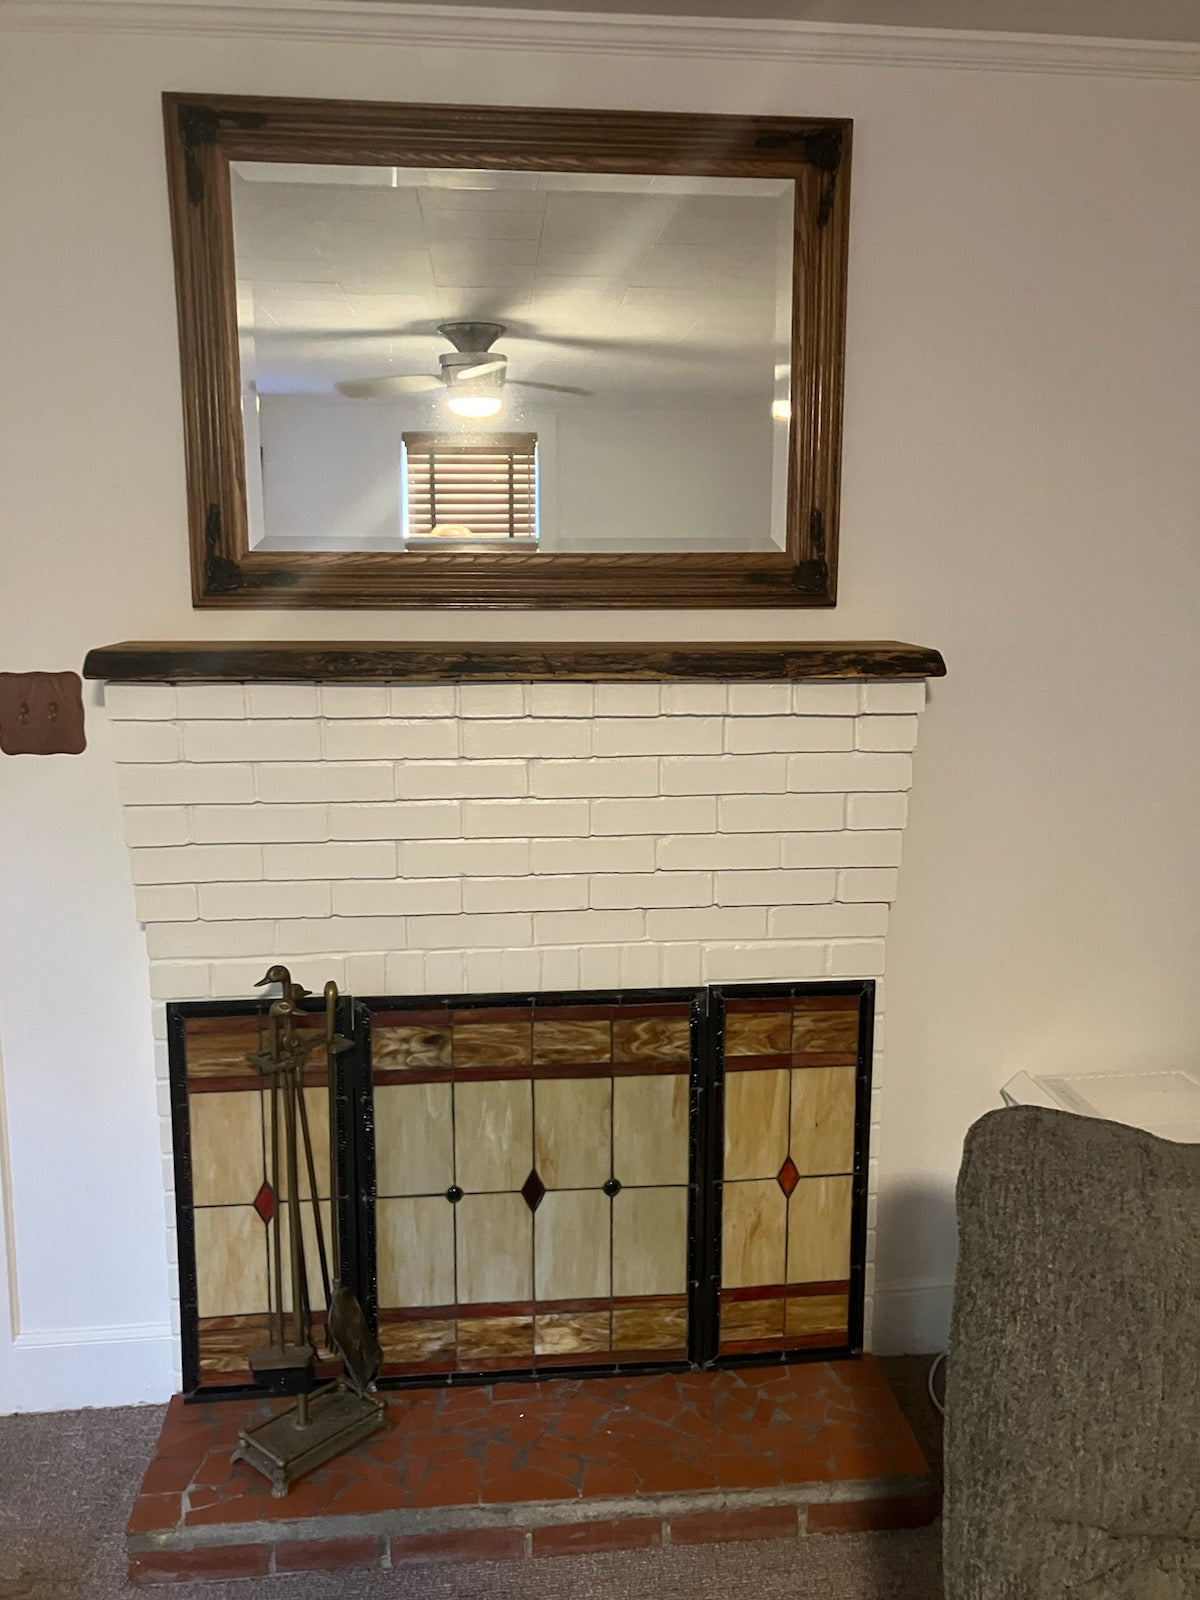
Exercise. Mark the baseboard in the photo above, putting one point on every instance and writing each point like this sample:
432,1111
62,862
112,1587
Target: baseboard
913,1320
62,1369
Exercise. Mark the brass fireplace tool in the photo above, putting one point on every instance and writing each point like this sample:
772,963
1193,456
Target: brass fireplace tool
333,1417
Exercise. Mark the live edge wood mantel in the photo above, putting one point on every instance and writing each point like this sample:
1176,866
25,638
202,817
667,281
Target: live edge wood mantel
380,661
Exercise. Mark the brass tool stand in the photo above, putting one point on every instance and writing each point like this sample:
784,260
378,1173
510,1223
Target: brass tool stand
327,1420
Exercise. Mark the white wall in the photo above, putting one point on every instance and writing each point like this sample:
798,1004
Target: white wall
682,477
1021,486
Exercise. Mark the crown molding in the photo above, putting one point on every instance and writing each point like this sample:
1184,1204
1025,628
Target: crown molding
453,28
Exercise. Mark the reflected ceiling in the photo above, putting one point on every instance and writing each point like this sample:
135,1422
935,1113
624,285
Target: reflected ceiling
631,288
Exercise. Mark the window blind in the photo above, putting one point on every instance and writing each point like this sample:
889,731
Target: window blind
481,486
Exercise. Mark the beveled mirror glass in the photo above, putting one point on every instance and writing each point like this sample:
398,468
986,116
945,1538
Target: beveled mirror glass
477,357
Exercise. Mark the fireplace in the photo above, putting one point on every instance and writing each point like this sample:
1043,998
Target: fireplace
527,1184
432,821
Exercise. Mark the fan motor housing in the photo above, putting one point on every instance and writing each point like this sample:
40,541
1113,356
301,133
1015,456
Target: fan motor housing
452,362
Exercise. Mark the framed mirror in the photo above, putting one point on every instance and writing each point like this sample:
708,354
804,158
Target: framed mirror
496,357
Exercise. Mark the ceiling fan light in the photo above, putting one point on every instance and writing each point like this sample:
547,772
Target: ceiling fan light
474,405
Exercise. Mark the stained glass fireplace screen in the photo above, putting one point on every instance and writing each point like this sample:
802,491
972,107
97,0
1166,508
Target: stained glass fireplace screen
529,1183
532,1171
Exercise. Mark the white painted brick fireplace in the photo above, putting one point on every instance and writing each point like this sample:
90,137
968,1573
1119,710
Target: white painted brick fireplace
477,837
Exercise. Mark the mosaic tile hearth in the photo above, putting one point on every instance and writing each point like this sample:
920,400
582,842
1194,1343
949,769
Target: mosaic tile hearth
757,1453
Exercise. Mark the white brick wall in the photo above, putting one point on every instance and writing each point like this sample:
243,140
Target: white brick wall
432,839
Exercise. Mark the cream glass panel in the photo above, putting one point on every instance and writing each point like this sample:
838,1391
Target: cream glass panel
823,1119
493,1134
753,1234
227,1148
415,1252
495,1248
650,1129
414,1138
650,1241
573,1131
231,1261
819,1230
756,1123
571,1248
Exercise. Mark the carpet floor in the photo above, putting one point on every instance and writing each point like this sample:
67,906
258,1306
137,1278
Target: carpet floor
68,1479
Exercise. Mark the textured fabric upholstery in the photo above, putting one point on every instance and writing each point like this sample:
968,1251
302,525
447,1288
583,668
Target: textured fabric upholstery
1073,1386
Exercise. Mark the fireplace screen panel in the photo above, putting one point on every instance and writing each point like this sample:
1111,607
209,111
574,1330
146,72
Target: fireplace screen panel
222,1116
532,1164
795,1086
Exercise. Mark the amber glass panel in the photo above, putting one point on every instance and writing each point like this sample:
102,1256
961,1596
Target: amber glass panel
822,1121
756,1123
819,1230
753,1233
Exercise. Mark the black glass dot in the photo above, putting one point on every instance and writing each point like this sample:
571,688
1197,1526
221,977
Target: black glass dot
454,1194
612,1187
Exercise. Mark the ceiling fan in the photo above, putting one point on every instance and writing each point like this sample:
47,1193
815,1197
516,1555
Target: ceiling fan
473,374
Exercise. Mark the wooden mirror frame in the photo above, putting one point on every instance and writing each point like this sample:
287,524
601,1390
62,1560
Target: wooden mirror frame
204,133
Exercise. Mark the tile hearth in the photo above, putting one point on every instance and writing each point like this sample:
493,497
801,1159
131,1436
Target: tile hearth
505,1471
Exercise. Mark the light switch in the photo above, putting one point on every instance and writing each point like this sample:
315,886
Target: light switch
41,714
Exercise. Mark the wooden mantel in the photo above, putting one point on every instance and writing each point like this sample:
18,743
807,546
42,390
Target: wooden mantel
386,661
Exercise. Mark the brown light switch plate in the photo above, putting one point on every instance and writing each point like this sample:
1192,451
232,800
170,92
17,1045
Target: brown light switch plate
41,714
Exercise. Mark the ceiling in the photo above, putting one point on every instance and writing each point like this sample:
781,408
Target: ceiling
1102,19
638,290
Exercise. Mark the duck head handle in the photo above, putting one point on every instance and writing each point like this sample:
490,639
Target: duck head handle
294,992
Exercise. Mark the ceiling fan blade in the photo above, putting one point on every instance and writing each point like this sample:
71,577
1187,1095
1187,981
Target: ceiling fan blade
550,388
382,388
482,370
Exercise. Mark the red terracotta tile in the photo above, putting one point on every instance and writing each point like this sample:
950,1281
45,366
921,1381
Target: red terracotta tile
326,1555
215,1470
674,1477
153,1511
602,1478
580,1538
862,1516
754,1522
742,1471
168,1475
223,1561
554,1461
448,1486
525,1483
462,1544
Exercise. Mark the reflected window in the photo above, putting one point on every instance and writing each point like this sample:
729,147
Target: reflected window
464,489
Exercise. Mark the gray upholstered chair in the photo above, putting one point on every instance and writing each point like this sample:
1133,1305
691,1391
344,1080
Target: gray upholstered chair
1073,1389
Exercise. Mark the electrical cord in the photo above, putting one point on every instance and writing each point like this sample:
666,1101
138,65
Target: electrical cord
938,1360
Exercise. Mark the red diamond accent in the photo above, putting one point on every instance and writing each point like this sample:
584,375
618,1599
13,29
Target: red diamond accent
532,1190
264,1202
787,1177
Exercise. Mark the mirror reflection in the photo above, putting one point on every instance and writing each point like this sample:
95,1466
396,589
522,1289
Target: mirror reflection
575,362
